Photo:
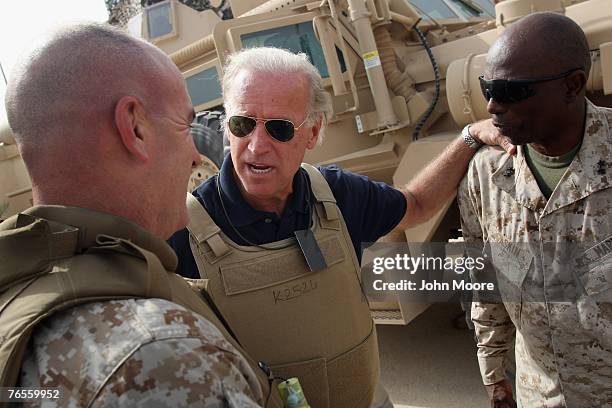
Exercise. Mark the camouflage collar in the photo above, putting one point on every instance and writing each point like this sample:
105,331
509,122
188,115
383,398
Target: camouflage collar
588,173
515,178
89,226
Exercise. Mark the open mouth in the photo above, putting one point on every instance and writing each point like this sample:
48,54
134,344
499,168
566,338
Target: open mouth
259,168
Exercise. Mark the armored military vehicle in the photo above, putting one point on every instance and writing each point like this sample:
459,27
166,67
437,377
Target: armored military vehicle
402,75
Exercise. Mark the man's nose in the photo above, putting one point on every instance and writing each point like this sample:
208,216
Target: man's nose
496,108
196,159
259,140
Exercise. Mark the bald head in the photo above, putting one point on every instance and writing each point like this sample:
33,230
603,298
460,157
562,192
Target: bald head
543,44
102,121
68,86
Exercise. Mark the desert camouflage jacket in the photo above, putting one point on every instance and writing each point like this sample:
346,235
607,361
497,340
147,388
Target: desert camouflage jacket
125,352
553,259
137,352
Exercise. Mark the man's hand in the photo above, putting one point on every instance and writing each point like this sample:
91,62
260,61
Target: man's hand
486,133
500,395
438,181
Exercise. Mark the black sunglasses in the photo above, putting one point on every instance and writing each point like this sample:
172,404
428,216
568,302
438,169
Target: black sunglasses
282,130
514,90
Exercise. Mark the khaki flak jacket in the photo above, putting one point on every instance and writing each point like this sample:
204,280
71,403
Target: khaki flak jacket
312,325
47,266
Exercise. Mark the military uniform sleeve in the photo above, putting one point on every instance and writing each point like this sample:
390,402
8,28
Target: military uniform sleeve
134,352
180,372
493,327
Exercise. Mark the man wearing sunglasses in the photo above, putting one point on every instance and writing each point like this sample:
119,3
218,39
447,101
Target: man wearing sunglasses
545,216
279,244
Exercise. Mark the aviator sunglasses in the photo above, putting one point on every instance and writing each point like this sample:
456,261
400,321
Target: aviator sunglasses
282,130
514,90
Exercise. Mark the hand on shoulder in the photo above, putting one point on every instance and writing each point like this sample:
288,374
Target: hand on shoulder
485,132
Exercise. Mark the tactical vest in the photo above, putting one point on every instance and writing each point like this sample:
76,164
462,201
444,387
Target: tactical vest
59,279
312,325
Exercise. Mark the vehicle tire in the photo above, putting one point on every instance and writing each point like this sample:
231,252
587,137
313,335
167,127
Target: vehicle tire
208,136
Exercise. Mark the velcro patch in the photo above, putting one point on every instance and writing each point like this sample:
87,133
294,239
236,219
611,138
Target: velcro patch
276,268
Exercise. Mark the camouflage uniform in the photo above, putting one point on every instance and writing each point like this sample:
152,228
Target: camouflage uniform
137,351
563,348
122,352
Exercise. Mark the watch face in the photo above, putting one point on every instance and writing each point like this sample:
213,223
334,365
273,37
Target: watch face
469,140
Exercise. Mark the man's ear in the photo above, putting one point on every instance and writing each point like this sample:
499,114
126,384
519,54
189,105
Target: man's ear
129,119
575,84
314,136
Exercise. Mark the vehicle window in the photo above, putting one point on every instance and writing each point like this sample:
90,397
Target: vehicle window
433,8
469,12
437,9
487,6
204,86
295,38
159,19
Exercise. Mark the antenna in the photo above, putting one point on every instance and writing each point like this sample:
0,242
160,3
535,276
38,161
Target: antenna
3,76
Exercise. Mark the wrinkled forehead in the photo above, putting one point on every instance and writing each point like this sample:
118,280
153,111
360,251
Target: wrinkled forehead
270,82
269,91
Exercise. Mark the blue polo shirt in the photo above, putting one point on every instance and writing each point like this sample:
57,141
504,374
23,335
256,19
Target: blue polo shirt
370,210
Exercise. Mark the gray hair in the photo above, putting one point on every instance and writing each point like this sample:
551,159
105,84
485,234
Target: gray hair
278,61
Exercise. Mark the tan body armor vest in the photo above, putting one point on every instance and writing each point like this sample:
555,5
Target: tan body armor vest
113,269
312,325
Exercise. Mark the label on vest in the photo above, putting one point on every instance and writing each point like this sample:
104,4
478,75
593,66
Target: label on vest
310,249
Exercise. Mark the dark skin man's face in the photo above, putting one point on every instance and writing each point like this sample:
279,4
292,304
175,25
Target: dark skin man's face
538,118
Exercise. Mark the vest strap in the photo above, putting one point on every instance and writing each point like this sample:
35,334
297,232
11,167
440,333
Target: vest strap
218,246
203,228
319,185
322,193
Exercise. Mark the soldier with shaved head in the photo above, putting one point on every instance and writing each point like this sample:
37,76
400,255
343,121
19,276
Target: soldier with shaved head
545,215
91,305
